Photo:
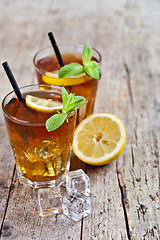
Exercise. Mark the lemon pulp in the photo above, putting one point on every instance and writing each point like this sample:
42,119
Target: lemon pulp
42,104
99,139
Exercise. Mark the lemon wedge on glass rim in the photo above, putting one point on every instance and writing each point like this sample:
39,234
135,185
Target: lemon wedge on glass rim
99,139
42,104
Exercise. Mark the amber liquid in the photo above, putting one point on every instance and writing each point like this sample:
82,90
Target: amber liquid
87,89
40,155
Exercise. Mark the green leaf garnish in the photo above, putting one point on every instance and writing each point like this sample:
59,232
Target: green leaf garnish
92,68
78,101
64,96
71,69
70,103
86,54
55,121
99,70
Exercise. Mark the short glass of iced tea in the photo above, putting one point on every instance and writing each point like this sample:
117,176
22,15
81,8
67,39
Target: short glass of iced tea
42,157
47,67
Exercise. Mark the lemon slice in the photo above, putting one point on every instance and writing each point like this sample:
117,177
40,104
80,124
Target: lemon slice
53,79
99,139
43,104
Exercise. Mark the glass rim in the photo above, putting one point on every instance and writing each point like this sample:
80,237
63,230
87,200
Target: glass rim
63,44
27,123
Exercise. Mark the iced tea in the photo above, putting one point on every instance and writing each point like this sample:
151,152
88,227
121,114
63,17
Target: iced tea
42,157
46,65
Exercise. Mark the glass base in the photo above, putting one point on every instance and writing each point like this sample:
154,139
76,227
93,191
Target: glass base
44,184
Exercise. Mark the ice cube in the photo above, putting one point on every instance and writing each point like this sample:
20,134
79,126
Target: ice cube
50,200
76,206
63,190
77,181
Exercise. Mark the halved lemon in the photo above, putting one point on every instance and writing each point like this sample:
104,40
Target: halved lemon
53,79
99,139
43,104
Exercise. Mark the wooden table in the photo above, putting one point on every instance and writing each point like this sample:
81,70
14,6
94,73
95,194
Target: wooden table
125,194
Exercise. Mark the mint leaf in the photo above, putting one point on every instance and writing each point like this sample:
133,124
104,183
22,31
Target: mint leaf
78,101
93,70
86,54
71,69
64,96
72,102
55,121
75,104
69,104
68,100
98,68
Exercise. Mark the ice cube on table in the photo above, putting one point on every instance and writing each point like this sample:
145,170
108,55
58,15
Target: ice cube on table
77,181
50,200
63,190
76,206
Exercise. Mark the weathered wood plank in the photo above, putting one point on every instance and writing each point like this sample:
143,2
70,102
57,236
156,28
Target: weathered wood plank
139,176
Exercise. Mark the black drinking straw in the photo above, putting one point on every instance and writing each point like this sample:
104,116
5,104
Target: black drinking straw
13,82
55,47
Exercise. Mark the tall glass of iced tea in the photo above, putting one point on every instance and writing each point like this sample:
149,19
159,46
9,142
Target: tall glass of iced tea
46,67
42,157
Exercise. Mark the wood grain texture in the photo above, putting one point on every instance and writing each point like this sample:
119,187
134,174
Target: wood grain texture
125,194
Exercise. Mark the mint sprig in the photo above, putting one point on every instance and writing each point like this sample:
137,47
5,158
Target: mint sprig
70,103
92,68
